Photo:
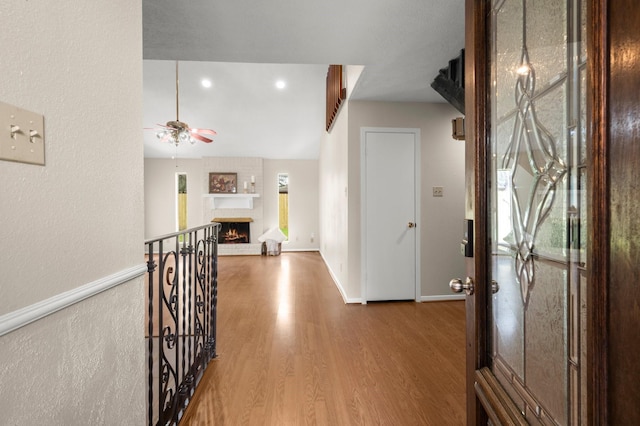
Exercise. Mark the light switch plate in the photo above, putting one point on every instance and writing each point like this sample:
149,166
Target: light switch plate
21,135
438,191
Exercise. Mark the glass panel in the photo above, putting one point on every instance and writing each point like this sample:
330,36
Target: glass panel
181,204
283,203
583,31
546,40
545,346
583,111
550,111
508,318
551,235
583,222
581,398
509,22
537,206
182,201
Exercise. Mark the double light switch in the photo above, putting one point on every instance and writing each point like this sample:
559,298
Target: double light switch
21,135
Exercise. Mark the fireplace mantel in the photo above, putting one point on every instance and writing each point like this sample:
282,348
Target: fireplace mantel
231,219
232,201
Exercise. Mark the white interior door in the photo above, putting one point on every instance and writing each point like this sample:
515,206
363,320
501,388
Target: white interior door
389,212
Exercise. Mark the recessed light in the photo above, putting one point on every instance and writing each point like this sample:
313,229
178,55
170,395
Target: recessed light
281,84
206,83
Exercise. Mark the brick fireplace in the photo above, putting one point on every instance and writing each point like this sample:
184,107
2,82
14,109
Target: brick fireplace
235,236
243,208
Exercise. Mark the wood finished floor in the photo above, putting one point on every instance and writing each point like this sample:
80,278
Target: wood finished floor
290,352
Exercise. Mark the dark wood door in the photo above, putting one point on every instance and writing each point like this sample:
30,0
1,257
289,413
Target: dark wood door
528,157
552,150
616,238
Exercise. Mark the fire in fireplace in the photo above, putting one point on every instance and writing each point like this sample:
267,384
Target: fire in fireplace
234,231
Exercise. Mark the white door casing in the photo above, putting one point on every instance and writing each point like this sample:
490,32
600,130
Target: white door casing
390,160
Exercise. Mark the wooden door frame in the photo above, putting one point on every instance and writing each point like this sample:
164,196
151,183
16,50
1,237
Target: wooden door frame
479,383
476,83
598,210
363,193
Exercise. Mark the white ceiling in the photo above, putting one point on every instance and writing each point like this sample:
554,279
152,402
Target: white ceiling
244,46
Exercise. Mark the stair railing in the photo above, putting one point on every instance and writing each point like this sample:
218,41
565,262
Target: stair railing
182,292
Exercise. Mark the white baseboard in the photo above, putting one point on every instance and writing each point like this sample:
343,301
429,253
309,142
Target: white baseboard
442,298
16,319
336,281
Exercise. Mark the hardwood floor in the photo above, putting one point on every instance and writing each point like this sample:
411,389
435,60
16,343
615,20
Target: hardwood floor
290,352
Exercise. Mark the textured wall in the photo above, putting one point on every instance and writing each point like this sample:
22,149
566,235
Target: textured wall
77,219
80,366
79,64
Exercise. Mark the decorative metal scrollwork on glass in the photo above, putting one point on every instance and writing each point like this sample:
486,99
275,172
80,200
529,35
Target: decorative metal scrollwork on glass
537,208
531,150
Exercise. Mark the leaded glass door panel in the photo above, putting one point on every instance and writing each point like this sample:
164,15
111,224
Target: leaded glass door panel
536,206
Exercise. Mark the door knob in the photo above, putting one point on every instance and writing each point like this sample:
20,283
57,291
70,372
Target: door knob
412,225
457,286
495,287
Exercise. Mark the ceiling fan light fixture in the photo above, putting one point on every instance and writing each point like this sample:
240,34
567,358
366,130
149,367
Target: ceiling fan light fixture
184,136
178,132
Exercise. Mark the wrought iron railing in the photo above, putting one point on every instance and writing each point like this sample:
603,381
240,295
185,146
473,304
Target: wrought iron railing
182,291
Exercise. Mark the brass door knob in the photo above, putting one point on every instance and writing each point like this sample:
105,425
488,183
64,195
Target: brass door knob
412,225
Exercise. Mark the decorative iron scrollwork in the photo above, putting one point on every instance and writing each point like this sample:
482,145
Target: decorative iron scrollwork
182,319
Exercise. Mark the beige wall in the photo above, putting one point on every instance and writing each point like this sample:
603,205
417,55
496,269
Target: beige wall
334,192
77,219
160,194
442,164
160,190
303,201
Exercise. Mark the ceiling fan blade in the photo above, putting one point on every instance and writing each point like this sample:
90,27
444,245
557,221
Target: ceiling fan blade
205,131
201,138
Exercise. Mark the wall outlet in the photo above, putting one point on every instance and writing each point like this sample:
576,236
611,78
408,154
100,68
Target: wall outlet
438,191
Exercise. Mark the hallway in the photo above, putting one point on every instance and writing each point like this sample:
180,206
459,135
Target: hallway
290,352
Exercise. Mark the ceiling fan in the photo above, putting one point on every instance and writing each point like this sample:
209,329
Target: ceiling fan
178,132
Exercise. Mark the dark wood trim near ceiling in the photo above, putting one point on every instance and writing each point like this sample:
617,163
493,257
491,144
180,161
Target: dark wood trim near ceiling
449,82
336,94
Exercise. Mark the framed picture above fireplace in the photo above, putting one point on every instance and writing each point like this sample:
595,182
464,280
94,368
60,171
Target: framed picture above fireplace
223,183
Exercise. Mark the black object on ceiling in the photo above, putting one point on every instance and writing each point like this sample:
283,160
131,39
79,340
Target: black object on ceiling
449,82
